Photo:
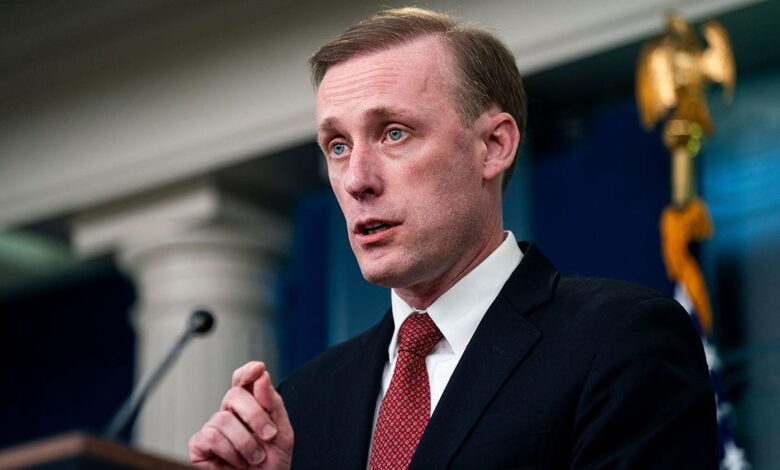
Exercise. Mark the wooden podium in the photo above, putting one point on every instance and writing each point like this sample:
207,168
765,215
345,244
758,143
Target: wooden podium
78,451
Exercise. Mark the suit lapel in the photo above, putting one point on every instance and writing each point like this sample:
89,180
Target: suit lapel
502,340
354,390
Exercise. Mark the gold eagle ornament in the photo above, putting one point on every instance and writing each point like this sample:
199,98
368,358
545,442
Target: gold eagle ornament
674,70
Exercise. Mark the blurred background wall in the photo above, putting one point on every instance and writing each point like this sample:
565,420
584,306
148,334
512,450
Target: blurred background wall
159,156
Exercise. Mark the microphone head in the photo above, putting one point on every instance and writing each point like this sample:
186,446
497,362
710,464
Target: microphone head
200,321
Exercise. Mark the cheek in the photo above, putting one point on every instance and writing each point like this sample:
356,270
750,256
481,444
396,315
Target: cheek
442,197
458,192
457,177
336,186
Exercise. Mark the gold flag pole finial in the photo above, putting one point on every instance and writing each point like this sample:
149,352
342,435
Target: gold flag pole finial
671,80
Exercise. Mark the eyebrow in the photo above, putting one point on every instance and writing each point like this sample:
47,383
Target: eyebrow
328,124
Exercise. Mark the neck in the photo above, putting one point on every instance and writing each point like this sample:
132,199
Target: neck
422,295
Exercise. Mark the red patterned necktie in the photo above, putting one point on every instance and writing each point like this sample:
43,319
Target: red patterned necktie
406,407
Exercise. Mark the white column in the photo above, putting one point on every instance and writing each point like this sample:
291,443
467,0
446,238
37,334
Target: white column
187,248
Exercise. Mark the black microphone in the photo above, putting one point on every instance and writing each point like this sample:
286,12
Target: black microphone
199,322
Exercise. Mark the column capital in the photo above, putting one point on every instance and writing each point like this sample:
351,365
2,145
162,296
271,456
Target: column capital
189,213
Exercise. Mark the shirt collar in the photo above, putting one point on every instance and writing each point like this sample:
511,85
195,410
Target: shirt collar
458,311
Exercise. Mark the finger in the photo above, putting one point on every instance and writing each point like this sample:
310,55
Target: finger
209,445
267,396
247,373
241,402
240,439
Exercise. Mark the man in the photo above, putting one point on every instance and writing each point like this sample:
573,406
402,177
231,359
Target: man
488,358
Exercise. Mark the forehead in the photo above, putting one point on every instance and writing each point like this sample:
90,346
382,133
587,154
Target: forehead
409,74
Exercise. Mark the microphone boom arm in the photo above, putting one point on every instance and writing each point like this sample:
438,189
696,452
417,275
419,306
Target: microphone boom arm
199,322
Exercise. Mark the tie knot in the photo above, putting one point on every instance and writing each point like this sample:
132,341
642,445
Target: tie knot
418,334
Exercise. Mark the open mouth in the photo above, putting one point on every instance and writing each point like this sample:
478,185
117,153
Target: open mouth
374,228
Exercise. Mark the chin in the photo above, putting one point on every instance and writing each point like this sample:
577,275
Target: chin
379,278
385,276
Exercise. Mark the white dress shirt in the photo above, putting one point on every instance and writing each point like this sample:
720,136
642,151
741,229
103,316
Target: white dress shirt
457,314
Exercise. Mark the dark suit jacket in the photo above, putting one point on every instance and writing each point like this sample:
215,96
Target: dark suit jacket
561,373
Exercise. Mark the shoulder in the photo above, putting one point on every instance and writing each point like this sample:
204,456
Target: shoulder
608,301
588,316
597,292
579,302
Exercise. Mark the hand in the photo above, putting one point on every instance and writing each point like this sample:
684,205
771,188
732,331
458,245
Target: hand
251,430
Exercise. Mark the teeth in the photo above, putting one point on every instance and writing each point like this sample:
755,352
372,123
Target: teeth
373,228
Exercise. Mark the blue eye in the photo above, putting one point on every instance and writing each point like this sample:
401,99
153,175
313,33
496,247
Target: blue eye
396,134
339,149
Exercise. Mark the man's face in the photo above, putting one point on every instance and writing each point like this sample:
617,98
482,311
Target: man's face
406,170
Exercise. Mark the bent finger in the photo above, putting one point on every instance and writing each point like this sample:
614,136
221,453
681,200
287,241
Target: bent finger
241,402
272,402
242,440
209,445
247,373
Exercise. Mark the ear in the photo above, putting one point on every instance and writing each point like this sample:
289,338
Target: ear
501,139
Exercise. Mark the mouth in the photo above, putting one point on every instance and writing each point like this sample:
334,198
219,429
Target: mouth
374,227
373,230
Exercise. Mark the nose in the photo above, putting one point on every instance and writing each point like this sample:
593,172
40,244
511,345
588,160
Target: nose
363,177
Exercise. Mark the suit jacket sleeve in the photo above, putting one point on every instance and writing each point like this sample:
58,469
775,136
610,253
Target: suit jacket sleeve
647,400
